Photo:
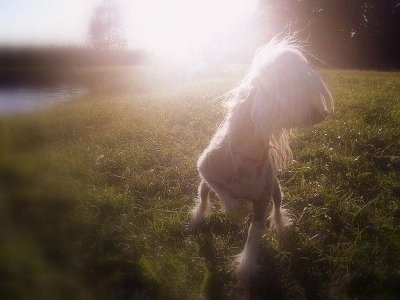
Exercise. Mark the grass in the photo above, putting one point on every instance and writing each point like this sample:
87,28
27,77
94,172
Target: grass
95,195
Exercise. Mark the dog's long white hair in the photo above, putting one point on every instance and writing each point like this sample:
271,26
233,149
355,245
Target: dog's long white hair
280,92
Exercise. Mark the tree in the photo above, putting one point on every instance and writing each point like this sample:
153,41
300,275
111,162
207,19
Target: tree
343,33
378,33
105,29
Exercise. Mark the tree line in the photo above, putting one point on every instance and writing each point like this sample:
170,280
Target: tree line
65,56
343,33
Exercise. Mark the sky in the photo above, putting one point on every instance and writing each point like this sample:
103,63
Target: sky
149,23
44,21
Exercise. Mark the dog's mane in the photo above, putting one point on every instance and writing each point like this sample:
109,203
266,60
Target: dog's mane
277,139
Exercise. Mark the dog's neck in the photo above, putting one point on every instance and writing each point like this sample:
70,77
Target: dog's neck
243,135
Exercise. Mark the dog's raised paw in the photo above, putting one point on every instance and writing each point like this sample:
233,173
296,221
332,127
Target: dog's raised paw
280,219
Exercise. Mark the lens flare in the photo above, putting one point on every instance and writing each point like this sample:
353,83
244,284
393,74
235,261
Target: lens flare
177,27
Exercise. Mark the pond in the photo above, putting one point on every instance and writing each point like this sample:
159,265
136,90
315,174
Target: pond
22,100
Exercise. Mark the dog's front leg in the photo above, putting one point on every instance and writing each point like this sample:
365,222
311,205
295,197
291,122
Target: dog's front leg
279,217
247,260
200,211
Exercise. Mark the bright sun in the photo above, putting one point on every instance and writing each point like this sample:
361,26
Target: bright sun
175,27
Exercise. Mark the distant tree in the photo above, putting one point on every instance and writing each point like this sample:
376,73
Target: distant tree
106,27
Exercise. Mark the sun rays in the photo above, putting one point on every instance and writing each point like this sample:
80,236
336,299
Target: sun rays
182,27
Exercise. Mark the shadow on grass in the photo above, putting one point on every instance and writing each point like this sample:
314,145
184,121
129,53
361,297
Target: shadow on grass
275,279
47,253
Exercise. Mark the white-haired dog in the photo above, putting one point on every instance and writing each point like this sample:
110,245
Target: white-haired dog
280,92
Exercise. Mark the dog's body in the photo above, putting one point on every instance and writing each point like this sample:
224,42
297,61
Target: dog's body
280,92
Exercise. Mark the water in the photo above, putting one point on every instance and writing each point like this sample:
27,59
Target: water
22,100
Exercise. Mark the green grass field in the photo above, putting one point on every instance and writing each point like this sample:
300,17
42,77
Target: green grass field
95,197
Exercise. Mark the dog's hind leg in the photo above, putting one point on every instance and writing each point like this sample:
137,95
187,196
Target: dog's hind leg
200,211
247,260
279,217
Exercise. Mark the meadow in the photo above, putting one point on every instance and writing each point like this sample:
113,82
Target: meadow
96,192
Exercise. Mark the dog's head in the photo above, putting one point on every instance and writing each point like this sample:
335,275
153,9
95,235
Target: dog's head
284,91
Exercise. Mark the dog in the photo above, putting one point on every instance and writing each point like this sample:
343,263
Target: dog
280,92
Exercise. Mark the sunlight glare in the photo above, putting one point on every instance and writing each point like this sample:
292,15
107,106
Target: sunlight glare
176,27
